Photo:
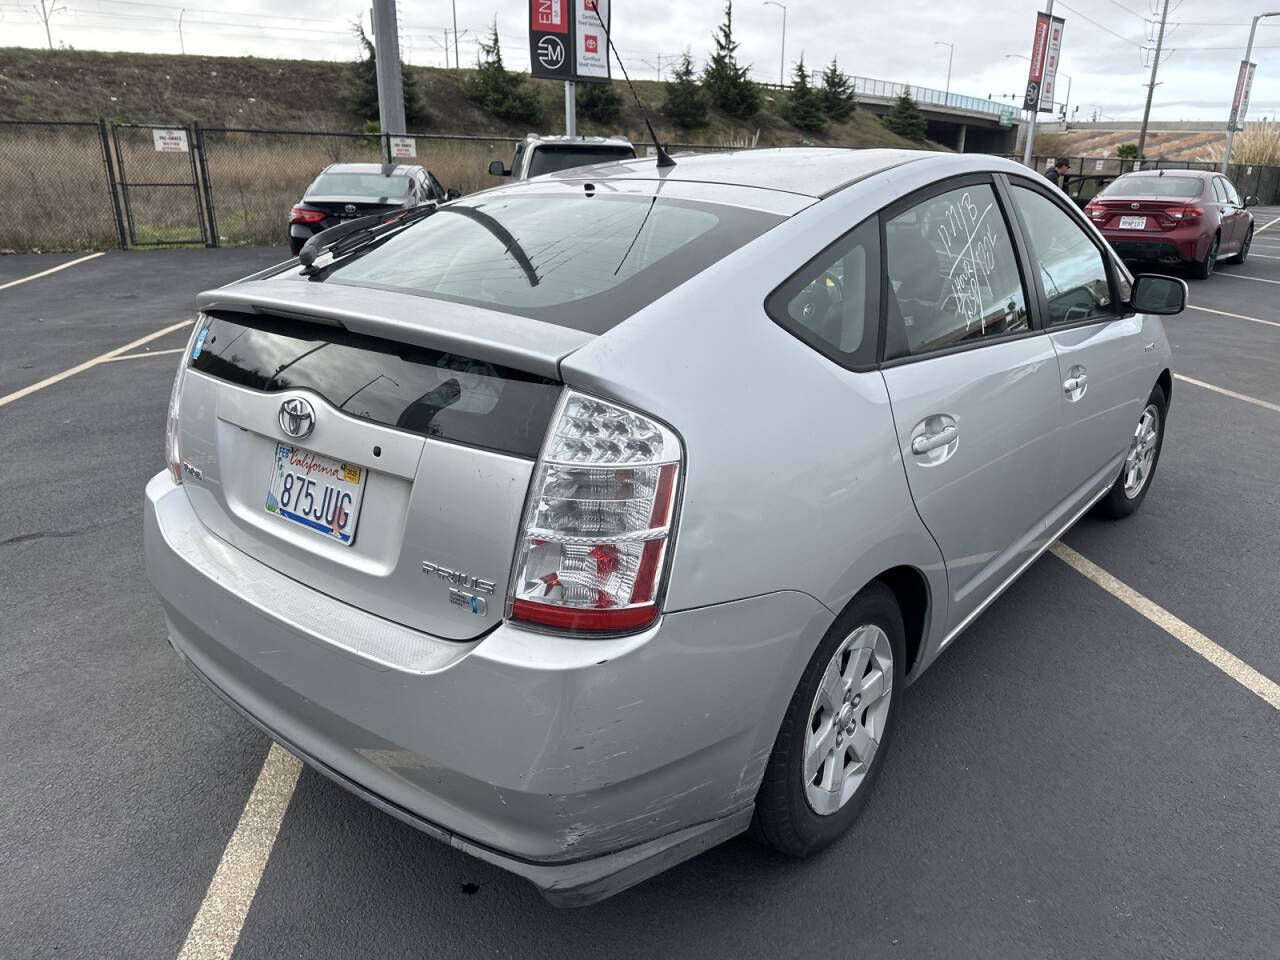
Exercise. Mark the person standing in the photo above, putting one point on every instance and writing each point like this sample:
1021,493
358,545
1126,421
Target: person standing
1058,175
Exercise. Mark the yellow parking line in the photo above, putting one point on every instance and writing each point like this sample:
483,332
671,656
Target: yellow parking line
81,367
216,928
1238,316
45,273
1227,662
1265,404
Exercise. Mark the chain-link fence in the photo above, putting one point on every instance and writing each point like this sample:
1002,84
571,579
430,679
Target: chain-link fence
1091,173
78,185
56,182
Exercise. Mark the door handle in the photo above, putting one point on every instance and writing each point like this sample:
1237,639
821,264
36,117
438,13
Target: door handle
932,441
1072,384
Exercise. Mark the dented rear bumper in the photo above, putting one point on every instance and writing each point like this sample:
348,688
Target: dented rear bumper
582,765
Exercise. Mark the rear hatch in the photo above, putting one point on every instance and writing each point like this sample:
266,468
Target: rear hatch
433,448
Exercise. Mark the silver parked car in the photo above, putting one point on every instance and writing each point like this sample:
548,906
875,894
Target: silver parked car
591,520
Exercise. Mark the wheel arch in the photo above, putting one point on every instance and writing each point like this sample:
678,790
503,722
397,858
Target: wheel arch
1165,383
910,588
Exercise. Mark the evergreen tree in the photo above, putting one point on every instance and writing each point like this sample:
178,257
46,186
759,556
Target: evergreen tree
599,102
727,83
685,104
499,91
837,93
359,89
803,108
905,118
1127,151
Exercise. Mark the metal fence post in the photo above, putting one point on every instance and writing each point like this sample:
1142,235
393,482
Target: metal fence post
111,181
386,147
206,188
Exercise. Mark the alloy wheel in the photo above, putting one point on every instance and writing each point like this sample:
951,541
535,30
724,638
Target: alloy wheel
1142,451
847,719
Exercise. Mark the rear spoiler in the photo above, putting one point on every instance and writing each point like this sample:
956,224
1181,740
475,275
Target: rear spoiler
513,341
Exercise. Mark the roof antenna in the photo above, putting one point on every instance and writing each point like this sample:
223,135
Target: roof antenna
664,159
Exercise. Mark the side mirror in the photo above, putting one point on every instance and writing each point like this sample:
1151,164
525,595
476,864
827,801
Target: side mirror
1159,295
498,169
1250,201
453,193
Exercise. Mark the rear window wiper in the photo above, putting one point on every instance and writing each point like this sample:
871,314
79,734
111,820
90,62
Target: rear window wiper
355,234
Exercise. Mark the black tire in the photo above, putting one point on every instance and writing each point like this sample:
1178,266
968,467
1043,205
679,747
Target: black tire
1118,503
1203,270
783,819
296,244
1243,255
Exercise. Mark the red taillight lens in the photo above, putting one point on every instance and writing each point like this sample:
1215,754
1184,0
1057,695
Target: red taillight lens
598,524
1096,212
305,215
1184,214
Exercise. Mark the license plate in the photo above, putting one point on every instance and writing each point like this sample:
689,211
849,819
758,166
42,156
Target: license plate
1133,223
316,492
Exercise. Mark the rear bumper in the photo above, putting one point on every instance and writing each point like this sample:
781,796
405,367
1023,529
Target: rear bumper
1171,248
583,765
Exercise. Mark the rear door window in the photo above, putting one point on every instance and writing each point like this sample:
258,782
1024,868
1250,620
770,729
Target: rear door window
953,274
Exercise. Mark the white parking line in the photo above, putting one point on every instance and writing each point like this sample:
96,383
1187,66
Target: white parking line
1269,224
216,928
1265,404
45,273
1265,256
1238,316
81,367
148,353
1244,276
1227,662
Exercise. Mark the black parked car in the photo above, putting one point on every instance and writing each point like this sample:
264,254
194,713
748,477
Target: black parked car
344,191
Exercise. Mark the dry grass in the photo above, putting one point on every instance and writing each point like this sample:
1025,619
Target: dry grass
1257,144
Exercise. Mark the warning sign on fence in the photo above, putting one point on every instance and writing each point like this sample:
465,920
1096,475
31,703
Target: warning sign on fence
402,148
170,141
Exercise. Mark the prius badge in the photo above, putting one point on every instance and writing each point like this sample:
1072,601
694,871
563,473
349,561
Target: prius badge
465,591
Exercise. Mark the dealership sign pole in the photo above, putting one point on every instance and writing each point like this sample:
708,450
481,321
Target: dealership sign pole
566,43
1244,81
1032,100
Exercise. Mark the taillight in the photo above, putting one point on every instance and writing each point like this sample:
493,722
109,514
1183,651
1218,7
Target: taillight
598,524
1096,212
1184,214
306,215
172,453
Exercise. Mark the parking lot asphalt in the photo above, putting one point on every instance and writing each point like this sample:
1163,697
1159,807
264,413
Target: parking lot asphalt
1069,780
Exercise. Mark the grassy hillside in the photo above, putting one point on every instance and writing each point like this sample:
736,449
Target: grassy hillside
1165,144
305,95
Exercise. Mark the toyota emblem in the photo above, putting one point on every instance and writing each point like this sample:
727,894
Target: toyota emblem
1134,206
297,418
349,208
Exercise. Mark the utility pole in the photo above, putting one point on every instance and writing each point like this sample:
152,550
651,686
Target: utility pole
782,59
386,51
1151,87
570,109
457,64
46,13
1248,54
951,52
181,45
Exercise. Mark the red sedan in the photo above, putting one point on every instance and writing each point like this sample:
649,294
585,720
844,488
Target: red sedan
1175,216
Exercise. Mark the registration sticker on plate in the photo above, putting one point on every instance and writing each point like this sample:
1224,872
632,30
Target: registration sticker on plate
1133,223
319,493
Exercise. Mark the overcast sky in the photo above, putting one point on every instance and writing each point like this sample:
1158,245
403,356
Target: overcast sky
891,41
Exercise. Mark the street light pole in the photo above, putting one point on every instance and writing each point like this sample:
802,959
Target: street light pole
1248,52
782,59
457,64
1035,110
951,52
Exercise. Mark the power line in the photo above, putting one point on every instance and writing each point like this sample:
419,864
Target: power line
1099,26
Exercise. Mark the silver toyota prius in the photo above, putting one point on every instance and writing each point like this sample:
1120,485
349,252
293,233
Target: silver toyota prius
588,521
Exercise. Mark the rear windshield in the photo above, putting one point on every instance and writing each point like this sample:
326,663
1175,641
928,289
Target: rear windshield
411,388
1154,187
549,161
581,260
358,185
